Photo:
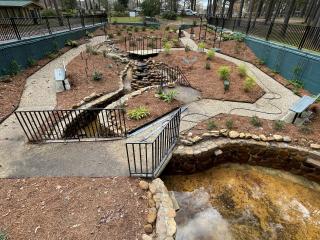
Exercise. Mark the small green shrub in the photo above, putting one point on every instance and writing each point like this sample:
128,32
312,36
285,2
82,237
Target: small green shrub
229,123
31,62
249,84
167,48
138,113
136,29
201,46
224,72
297,84
169,96
305,130
187,48
97,76
167,28
170,15
208,65
211,125
255,121
3,236
210,54
71,43
261,62
89,34
176,42
14,68
51,55
278,125
114,22
242,70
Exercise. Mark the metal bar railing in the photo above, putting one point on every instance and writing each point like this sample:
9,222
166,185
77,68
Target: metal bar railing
148,159
75,124
172,75
142,44
299,36
21,28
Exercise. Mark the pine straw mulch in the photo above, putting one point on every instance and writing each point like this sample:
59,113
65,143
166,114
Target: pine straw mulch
80,74
300,135
208,81
156,107
72,208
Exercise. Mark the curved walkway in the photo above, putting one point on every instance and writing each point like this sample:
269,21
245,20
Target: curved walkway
273,105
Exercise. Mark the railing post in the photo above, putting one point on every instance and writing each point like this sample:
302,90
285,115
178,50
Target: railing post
93,20
304,37
15,28
82,20
269,31
48,25
68,21
234,24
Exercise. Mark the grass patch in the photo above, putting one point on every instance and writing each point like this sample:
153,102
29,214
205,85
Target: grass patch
127,19
138,113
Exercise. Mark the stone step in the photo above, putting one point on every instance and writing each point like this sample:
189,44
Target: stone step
314,162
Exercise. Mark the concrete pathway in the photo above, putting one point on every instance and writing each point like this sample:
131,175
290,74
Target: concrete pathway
273,105
19,158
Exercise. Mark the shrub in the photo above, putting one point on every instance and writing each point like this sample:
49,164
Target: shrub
89,34
91,50
167,48
51,55
96,76
31,62
187,48
229,123
249,84
119,33
143,29
71,43
138,113
208,65
297,83
167,28
224,72
242,70
255,121
176,42
14,68
211,125
136,29
170,15
210,54
169,96
202,46
278,125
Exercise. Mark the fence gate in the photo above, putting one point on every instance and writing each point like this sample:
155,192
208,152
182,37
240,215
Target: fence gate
149,158
72,125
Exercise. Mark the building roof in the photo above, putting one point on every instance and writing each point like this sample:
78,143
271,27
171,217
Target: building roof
17,3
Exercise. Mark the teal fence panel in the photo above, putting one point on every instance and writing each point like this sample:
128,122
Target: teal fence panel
290,63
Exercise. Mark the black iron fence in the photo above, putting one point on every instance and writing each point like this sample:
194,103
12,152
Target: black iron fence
300,36
77,124
143,44
148,159
21,28
172,75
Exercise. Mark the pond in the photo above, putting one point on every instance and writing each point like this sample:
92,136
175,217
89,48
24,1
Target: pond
235,201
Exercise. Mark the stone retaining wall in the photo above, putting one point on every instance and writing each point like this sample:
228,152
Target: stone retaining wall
278,155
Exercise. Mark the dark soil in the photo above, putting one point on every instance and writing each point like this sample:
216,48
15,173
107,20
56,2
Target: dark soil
80,74
208,81
72,208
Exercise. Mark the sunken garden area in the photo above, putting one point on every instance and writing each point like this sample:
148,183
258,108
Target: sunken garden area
226,146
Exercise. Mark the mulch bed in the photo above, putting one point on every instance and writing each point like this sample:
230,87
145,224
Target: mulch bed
243,124
82,85
155,106
72,208
208,81
11,89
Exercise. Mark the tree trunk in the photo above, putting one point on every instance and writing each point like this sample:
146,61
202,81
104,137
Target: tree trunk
251,6
289,10
257,13
241,9
269,11
304,9
59,15
230,10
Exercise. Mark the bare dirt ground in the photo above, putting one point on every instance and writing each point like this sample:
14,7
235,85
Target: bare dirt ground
208,81
300,135
11,88
80,74
72,208
155,106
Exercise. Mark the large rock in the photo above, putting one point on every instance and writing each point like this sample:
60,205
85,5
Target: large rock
234,134
152,215
144,185
315,146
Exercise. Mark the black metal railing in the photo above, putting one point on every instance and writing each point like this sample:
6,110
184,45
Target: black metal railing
148,159
21,28
300,36
76,124
172,75
150,45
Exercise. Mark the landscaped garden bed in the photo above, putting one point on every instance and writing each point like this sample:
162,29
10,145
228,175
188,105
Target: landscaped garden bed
303,135
90,73
203,75
12,86
148,106
72,208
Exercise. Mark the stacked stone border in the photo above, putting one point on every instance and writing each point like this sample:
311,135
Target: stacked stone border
203,155
160,222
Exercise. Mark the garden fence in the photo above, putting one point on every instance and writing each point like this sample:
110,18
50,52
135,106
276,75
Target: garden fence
172,75
300,36
148,159
143,44
22,28
75,124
